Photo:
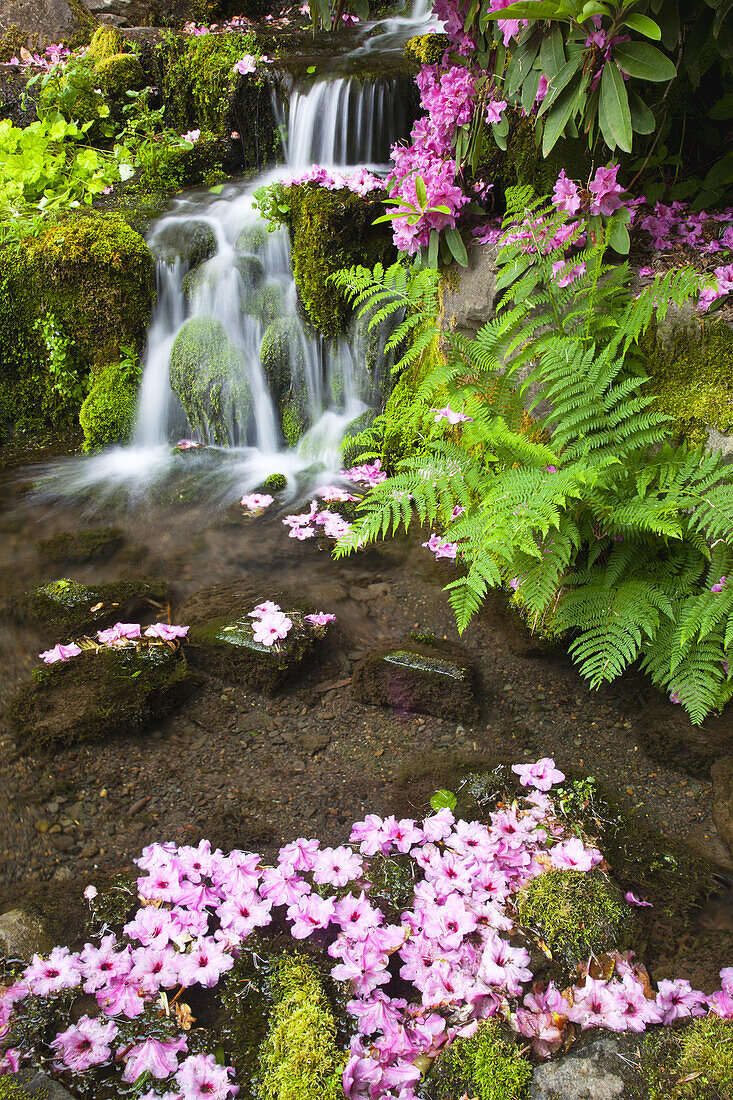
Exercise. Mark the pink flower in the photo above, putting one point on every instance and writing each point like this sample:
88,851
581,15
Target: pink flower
336,866
245,65
309,914
542,774
605,190
569,273
566,194
191,136
120,632
90,893
60,653
200,1077
320,618
725,279
256,502
154,1056
85,1044
677,999
452,417
205,964
48,976
166,632
187,445
495,110
633,900
271,627
572,855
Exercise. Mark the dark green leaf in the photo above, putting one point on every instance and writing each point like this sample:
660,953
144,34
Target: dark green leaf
552,53
642,117
559,81
557,119
644,25
615,104
433,248
421,191
644,61
457,247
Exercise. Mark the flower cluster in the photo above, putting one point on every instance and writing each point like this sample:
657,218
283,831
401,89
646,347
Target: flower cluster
271,624
55,54
187,445
119,636
722,287
454,946
306,524
368,474
361,182
670,225
442,549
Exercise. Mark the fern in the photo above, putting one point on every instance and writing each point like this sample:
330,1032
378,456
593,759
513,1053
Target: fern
604,530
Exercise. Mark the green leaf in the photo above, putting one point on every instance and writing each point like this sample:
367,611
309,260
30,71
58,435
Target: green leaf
559,81
723,109
311,69
216,189
618,232
552,53
614,102
421,191
443,800
644,25
433,248
529,9
457,247
557,119
643,61
642,117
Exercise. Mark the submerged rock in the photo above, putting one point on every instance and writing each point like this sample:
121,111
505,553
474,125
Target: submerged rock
666,733
98,695
66,608
210,272
80,547
33,1084
187,240
722,775
22,935
210,378
428,677
605,1068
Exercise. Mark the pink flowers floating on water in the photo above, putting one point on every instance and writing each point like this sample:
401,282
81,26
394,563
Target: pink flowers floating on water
166,632
305,525
320,618
368,474
633,900
332,493
452,417
60,653
271,623
453,943
256,502
442,549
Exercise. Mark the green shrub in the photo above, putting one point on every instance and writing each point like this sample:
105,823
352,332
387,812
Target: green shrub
427,49
119,73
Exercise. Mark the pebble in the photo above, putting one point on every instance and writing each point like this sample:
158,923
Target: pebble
41,825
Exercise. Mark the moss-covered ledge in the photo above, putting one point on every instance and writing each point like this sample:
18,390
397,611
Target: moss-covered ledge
93,277
690,370
330,230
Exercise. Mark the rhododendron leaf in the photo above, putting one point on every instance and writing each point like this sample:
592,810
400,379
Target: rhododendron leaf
557,120
559,81
529,90
433,248
614,103
552,53
644,25
527,9
421,191
520,64
593,8
642,60
618,232
642,117
500,131
456,245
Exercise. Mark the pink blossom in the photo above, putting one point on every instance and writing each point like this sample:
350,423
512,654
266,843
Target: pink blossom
605,189
166,632
205,963
566,194
120,632
677,999
85,1044
320,618
154,1056
495,110
256,502
60,653
191,136
336,866
200,1077
542,774
452,417
48,976
633,900
309,914
271,628
572,855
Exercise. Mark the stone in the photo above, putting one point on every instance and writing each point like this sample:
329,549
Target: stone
209,375
67,609
81,547
432,678
97,695
45,21
605,1067
719,441
38,1085
22,935
188,240
315,742
722,776
468,299
704,840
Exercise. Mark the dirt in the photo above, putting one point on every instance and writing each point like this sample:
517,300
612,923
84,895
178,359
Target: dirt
254,772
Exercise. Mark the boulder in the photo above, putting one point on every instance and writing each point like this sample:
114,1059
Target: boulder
23,935
184,239
210,272
41,22
468,298
66,609
209,375
81,547
722,776
666,733
428,677
605,1067
35,1085
97,695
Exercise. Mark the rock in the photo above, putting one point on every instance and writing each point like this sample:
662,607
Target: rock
718,441
428,677
314,742
97,695
704,840
665,733
206,276
80,547
184,239
45,21
210,377
603,1068
66,609
22,935
722,776
38,1085
471,304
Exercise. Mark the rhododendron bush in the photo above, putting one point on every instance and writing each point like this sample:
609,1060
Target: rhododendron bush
417,977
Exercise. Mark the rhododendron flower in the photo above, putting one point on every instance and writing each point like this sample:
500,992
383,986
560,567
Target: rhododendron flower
572,855
155,1056
85,1044
606,191
677,999
245,65
542,774
336,866
205,963
120,632
48,976
90,893
452,417
633,900
309,913
192,136
200,1077
267,607
719,586
60,653
569,273
187,445
256,502
166,632
566,194
495,110
320,618
271,627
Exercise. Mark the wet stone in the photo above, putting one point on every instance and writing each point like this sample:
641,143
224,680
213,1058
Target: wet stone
604,1068
67,609
22,935
430,678
81,547
722,775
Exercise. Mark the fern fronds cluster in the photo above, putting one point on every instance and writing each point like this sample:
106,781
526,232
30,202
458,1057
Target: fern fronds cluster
603,529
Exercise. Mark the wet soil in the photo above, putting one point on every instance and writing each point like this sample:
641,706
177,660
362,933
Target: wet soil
255,772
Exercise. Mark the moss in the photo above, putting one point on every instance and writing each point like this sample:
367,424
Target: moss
275,483
120,73
488,1066
282,355
330,230
695,1063
95,276
98,695
293,421
10,1089
267,302
108,412
209,377
251,271
577,914
63,608
299,1059
81,547
691,376
193,242
427,49
106,42
252,239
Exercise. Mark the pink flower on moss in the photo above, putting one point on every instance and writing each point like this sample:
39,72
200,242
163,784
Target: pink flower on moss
60,653
85,1044
541,775
166,632
572,855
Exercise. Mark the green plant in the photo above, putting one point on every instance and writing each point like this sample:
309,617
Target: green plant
603,529
488,1066
66,383
72,91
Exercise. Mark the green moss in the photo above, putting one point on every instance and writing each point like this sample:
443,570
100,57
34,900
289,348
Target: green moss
691,375
299,1059
427,49
63,608
81,547
193,242
107,414
209,377
330,230
488,1066
267,302
120,73
695,1063
275,483
95,276
106,42
293,421
282,355
11,1089
252,239
577,914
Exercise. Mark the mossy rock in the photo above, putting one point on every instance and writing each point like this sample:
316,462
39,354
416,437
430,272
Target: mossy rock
330,230
691,376
82,547
268,302
293,419
282,356
95,277
692,1063
427,49
106,42
253,238
251,271
118,74
488,1066
299,1059
63,608
438,678
273,483
577,914
209,376
98,695
187,240
107,414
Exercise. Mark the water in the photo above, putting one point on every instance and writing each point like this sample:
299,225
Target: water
205,339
